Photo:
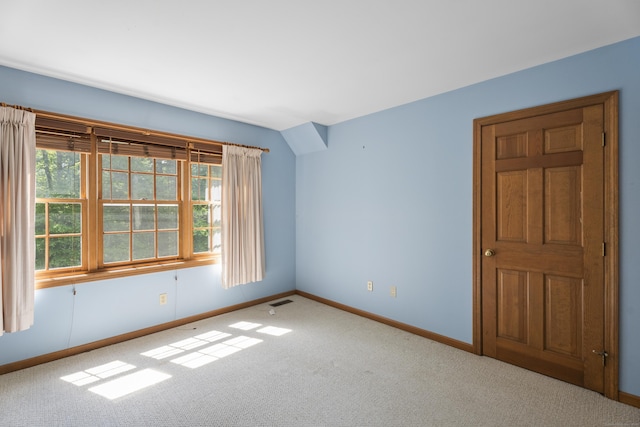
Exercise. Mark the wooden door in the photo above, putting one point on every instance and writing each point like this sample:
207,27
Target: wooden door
543,242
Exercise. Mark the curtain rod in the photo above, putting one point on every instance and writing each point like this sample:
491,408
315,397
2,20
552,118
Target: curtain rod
93,123
266,150
17,107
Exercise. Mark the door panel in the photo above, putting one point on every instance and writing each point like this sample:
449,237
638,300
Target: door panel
511,146
512,206
563,315
563,210
563,139
513,304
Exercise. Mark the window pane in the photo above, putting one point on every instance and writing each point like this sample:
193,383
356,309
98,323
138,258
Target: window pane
166,166
216,171
217,240
198,170
40,253
65,218
200,216
65,252
57,174
115,218
216,190
144,245
40,219
116,247
200,241
116,162
198,189
144,217
141,164
167,243
217,215
141,186
166,187
115,185
167,217
106,184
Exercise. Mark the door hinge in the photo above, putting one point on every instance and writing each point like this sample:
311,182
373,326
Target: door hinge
604,249
604,139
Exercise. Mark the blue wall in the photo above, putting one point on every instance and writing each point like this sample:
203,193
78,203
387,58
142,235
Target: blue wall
390,200
111,307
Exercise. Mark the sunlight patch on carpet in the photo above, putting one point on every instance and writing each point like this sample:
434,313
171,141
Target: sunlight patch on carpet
245,326
213,336
129,383
211,354
194,360
166,351
193,352
91,375
273,330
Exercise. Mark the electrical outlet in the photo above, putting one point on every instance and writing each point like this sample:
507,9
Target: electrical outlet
370,286
163,299
394,291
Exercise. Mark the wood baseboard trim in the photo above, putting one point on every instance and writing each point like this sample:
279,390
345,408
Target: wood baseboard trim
399,325
629,399
27,363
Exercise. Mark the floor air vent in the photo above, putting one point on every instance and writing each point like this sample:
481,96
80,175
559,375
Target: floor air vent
284,301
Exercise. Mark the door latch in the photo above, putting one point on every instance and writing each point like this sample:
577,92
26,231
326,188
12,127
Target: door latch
602,354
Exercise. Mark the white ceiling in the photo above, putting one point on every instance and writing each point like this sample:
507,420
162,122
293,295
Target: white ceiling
281,63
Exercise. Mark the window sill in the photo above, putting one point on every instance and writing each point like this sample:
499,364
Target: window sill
112,273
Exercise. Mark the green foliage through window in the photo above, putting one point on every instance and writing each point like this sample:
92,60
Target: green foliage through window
129,205
206,209
59,211
144,226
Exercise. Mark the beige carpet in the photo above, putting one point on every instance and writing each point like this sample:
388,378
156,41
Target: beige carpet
305,365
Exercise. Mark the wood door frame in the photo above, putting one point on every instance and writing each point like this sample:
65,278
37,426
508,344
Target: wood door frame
611,262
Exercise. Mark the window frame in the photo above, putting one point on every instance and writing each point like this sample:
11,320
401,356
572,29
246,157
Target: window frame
47,236
186,150
207,201
84,229
137,202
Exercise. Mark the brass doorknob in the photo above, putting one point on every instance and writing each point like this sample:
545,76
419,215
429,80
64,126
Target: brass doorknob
489,252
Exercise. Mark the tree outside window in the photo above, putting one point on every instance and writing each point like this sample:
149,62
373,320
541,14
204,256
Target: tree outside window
60,209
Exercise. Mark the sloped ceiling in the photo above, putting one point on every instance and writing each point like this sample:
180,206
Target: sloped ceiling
281,63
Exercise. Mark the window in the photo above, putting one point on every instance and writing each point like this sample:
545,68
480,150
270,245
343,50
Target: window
206,207
139,205
114,201
60,208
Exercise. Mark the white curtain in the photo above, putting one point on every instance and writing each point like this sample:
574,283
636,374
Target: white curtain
242,230
17,218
